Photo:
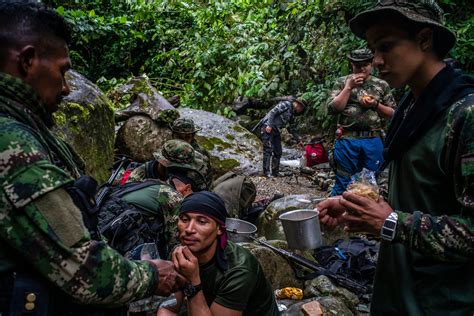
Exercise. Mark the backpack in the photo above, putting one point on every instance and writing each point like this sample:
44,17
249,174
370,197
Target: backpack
354,258
238,192
125,225
315,154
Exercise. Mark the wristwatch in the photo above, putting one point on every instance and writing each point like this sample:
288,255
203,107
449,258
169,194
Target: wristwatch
389,227
190,290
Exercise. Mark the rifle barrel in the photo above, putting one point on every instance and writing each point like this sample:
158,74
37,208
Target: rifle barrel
339,279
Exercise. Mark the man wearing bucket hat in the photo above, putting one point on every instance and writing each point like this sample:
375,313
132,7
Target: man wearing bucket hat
283,114
185,129
427,226
361,102
174,155
223,278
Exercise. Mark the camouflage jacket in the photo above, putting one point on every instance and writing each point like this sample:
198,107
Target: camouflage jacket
159,199
354,117
89,271
449,236
282,115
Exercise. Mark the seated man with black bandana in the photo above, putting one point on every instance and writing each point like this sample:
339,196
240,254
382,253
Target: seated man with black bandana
223,278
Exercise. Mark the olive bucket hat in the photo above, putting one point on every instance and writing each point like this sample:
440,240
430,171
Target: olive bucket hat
424,12
184,126
176,153
360,55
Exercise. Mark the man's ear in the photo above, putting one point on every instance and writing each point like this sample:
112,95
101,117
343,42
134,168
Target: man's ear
26,59
188,188
425,38
219,230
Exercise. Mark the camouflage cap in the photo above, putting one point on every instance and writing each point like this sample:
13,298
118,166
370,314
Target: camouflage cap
176,154
425,12
301,100
184,126
359,55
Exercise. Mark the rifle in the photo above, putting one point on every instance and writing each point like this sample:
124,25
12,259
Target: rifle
106,187
257,126
312,265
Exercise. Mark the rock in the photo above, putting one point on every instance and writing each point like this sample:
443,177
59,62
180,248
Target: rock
322,286
331,306
277,270
86,121
231,146
312,308
334,306
139,97
269,225
139,137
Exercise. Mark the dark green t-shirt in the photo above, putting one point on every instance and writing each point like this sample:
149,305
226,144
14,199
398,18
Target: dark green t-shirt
242,287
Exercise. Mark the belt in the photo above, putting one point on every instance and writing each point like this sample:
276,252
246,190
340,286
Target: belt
361,133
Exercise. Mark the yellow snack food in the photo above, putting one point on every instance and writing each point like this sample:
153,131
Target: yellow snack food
292,293
367,98
364,190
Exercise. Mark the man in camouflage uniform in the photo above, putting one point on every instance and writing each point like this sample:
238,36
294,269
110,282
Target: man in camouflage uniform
427,253
46,253
282,115
174,155
185,130
361,101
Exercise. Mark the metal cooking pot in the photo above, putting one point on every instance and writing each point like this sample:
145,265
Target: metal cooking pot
239,230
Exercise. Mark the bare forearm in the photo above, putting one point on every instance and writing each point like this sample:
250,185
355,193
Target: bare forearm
197,306
385,111
339,103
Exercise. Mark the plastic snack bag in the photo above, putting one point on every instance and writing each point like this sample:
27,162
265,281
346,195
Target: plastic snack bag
289,293
364,184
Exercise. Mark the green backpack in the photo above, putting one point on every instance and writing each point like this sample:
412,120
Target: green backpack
238,192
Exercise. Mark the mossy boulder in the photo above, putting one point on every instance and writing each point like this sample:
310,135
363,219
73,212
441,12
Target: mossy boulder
139,97
140,136
86,121
231,146
276,268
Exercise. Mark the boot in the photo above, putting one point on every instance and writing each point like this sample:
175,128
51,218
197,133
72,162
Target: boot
275,166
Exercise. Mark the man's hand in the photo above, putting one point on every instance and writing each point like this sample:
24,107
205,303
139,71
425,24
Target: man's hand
186,264
169,280
364,215
368,102
268,129
330,212
354,81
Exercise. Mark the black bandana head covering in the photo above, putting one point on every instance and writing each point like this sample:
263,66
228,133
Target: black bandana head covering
213,206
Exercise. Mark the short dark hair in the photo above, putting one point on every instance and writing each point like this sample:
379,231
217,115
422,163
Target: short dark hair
21,22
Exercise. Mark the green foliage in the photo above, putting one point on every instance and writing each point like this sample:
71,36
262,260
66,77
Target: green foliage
210,52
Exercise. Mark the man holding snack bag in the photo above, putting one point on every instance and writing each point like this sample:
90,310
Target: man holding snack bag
361,102
427,227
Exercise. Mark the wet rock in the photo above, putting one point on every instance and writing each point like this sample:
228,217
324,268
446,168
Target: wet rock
322,286
268,223
139,97
231,146
86,121
277,270
139,137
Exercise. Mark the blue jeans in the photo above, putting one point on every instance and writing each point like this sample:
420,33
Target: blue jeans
352,155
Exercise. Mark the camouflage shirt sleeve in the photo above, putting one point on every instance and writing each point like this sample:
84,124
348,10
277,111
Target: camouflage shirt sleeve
89,271
337,88
169,201
277,110
449,238
388,98
293,128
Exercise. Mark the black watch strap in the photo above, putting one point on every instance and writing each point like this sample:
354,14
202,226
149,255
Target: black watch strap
190,290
